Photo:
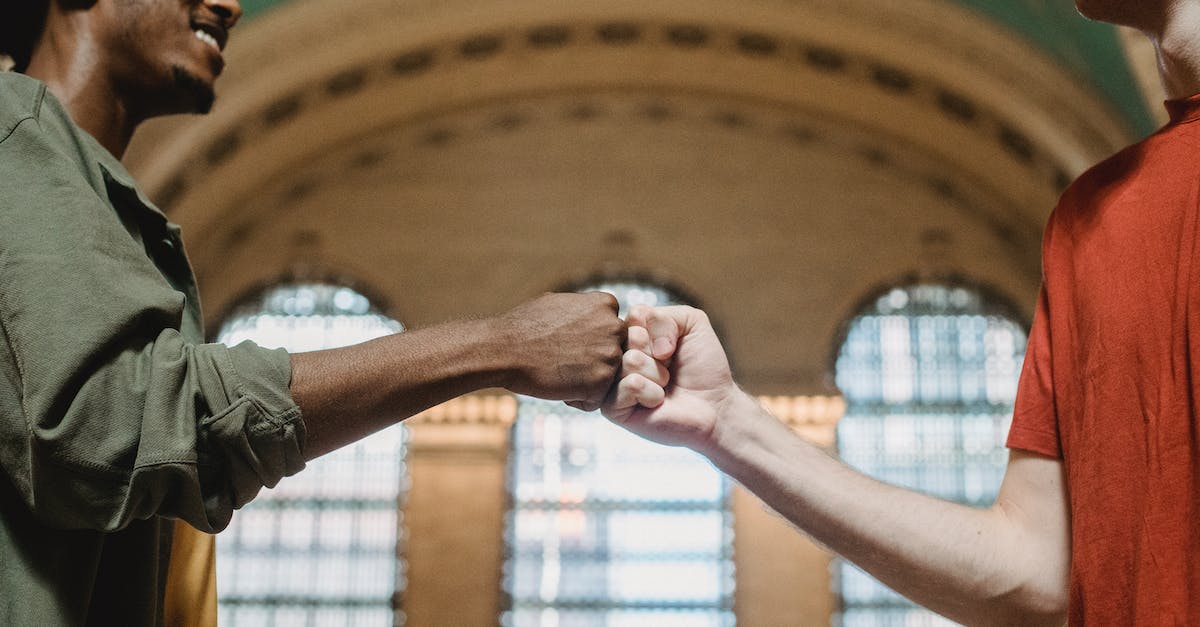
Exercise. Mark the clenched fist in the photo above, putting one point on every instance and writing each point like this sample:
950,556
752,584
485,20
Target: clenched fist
564,347
679,405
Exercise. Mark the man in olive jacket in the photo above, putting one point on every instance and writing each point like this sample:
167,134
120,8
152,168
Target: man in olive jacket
115,417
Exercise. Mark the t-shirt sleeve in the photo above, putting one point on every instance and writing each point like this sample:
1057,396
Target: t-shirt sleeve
1035,420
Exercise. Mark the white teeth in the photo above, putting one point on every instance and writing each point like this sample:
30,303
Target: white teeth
208,39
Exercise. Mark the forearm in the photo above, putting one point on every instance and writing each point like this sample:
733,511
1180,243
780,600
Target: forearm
559,346
348,393
975,566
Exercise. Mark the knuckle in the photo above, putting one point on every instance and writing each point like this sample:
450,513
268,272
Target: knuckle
606,301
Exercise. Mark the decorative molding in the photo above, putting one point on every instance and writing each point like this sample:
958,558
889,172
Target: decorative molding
501,410
473,409
806,411
470,423
791,54
958,31
944,59
815,418
792,128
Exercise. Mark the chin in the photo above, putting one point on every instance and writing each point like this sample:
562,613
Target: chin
196,94
1121,12
1088,9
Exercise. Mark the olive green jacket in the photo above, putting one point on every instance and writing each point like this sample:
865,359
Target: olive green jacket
114,415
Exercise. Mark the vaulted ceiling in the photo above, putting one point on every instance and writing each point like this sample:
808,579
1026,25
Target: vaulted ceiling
1089,49
779,159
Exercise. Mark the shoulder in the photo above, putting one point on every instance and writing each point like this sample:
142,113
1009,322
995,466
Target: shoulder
39,143
1108,182
21,99
1082,201
44,173
1112,170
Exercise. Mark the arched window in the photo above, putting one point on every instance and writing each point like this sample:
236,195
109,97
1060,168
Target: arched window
929,374
324,547
607,529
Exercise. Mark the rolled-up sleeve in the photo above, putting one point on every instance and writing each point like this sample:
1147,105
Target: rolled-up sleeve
107,412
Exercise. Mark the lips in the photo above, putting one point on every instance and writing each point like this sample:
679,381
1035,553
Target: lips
208,39
211,33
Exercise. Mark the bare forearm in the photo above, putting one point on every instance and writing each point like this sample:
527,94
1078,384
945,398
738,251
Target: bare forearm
558,346
1007,565
348,393
978,567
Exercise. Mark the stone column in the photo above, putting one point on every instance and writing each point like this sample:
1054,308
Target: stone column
455,511
783,578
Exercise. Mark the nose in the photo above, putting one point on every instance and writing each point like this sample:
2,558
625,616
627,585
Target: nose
230,11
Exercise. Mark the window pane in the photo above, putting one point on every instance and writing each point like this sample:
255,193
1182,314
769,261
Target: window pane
929,374
322,547
608,529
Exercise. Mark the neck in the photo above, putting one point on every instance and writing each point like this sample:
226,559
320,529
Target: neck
67,59
1177,43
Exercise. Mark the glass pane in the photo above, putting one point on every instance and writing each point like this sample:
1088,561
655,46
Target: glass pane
608,529
929,374
322,547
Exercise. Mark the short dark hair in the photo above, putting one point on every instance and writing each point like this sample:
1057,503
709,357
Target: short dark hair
20,29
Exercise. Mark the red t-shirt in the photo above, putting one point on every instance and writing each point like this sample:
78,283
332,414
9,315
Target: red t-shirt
1111,377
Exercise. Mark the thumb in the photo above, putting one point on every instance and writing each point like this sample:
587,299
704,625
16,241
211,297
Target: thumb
666,326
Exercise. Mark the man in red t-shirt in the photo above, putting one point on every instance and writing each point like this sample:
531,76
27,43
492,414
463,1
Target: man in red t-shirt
1098,517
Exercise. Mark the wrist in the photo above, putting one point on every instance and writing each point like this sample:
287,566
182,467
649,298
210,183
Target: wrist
742,425
493,340
732,408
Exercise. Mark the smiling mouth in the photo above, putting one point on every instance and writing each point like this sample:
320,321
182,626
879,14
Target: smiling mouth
208,39
213,35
